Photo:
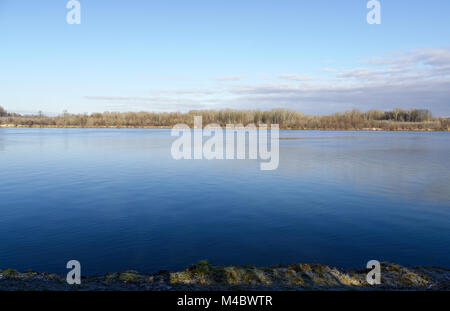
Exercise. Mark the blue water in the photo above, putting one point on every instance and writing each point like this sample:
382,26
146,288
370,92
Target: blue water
114,199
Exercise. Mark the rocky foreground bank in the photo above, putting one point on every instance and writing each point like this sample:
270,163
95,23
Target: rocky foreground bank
204,276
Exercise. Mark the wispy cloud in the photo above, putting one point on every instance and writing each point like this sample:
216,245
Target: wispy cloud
151,103
185,92
120,98
417,78
296,77
227,78
172,78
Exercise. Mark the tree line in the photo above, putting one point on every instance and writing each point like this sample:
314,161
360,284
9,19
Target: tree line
397,119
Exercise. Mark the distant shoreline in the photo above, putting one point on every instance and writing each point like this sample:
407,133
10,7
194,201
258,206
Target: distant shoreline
372,120
204,276
170,127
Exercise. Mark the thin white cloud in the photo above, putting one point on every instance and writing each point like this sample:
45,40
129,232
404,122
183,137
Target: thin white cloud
185,92
172,78
227,78
412,79
135,103
417,78
296,77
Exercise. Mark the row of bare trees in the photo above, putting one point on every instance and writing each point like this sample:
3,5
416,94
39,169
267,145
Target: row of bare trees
3,112
397,119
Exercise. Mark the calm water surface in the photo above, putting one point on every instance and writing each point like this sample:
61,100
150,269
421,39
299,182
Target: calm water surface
114,199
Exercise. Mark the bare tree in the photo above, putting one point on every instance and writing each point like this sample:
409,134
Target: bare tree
3,112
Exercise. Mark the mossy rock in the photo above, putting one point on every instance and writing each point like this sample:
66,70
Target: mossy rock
10,272
391,267
53,277
237,275
112,276
268,270
263,277
199,273
203,266
297,280
31,272
183,277
203,262
409,278
129,276
319,269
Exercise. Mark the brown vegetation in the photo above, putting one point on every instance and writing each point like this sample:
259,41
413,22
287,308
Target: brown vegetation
398,119
204,276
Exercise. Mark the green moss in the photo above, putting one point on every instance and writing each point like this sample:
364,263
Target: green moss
53,277
409,278
268,270
203,262
296,275
10,272
391,267
278,274
111,276
233,275
32,272
243,276
290,273
319,269
202,266
180,277
200,273
262,277
296,280
129,276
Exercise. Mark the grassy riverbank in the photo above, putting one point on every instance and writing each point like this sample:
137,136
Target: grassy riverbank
424,128
395,120
203,276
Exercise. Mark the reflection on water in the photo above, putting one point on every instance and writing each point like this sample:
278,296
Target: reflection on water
115,199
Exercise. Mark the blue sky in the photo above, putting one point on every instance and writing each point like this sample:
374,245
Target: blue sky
317,56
